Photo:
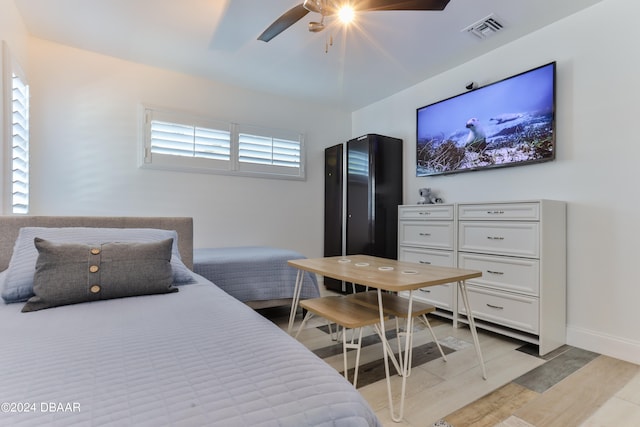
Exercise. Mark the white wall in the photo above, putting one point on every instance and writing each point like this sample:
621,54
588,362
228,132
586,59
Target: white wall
84,136
595,170
12,30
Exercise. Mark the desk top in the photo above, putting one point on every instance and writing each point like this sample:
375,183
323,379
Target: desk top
382,273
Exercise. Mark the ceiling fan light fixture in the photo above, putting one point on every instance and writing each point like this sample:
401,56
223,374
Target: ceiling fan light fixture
313,5
330,8
346,14
316,27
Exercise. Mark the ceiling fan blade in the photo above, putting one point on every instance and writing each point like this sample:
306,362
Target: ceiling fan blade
367,5
287,19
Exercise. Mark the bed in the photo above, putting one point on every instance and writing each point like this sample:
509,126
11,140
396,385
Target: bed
194,357
259,276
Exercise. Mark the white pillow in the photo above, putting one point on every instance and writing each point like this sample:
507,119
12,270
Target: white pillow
18,286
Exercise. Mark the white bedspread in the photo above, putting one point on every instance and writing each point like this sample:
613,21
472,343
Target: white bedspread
197,357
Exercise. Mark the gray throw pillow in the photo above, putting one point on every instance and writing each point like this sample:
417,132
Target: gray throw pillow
70,273
18,285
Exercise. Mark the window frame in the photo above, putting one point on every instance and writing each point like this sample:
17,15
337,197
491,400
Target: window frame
234,165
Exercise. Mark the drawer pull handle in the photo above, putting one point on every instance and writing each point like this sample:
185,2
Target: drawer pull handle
495,238
424,213
495,212
424,262
497,307
425,234
425,290
495,272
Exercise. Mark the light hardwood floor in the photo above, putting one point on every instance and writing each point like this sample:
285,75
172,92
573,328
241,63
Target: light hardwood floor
570,387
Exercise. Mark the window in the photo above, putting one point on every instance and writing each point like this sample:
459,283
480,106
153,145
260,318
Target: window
269,151
189,143
16,109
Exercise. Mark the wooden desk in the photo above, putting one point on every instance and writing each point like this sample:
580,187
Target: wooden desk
389,275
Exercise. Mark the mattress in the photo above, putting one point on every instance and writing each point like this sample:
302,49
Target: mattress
254,273
197,357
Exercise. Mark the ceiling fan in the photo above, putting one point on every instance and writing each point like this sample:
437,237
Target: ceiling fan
331,7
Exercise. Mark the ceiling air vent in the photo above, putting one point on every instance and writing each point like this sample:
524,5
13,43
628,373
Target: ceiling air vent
485,27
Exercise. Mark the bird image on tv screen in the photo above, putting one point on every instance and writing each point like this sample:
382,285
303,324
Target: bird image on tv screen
507,123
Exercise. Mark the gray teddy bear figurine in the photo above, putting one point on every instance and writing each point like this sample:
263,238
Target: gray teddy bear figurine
427,197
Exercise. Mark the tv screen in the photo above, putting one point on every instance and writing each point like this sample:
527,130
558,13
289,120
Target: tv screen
507,123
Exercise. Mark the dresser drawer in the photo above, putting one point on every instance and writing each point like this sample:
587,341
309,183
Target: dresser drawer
506,273
427,256
433,234
500,211
514,311
426,212
440,296
501,238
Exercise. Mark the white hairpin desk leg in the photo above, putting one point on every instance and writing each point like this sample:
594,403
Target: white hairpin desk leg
472,324
404,364
296,299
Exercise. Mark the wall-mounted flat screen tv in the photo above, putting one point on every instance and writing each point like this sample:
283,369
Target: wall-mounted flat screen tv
507,123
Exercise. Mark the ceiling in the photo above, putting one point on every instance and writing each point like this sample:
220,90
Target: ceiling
383,53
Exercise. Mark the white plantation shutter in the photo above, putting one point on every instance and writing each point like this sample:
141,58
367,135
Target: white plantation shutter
190,141
269,151
20,145
14,91
183,142
178,141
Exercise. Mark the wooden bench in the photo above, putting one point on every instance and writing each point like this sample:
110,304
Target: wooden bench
394,305
347,313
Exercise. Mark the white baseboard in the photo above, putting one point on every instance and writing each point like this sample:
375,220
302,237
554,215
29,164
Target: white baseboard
609,345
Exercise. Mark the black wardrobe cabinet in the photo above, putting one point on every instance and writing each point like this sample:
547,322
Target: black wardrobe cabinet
363,188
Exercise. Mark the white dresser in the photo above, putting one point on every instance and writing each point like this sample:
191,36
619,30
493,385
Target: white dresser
520,247
426,235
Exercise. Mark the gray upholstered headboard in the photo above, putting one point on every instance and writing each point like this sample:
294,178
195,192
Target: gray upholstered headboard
10,226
